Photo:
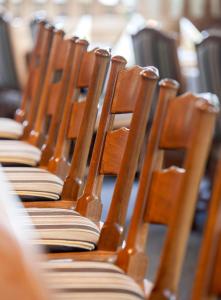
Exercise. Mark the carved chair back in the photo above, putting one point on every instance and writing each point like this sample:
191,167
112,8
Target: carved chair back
37,69
53,88
116,152
168,195
79,116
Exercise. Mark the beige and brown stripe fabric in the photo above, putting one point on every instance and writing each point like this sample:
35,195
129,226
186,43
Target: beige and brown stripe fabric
90,280
10,129
31,183
63,229
18,152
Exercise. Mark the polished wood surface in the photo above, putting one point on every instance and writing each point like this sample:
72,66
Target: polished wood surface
156,47
90,203
74,180
57,96
207,280
153,205
37,135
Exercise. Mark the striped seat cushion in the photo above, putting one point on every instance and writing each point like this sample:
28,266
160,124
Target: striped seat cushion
63,229
10,129
89,280
18,152
35,183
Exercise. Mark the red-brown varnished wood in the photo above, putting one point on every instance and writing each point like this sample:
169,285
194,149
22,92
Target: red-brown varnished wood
114,148
32,92
90,204
76,118
207,279
133,254
165,187
37,134
75,177
203,121
59,158
21,112
57,96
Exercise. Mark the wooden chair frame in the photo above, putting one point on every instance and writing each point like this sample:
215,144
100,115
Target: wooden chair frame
207,279
57,161
168,196
114,149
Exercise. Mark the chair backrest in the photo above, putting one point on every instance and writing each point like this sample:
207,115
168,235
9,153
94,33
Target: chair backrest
168,195
207,279
53,87
209,62
79,116
37,69
155,48
116,152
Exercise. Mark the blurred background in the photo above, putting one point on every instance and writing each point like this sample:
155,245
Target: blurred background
182,38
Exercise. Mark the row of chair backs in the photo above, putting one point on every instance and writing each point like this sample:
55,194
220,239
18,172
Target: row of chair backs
152,47
193,133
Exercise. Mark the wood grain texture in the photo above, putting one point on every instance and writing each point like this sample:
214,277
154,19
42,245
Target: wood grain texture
134,253
76,118
165,187
115,221
156,183
59,157
58,92
201,128
38,133
126,91
115,145
207,279
75,177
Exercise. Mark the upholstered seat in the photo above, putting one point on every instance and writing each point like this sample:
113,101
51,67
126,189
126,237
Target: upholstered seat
63,229
90,280
10,129
18,152
34,183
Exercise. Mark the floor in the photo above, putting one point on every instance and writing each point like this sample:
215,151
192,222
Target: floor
155,242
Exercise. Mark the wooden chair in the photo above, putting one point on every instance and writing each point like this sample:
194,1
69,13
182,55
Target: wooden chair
115,152
156,48
27,152
165,196
90,203
207,280
209,62
13,129
46,183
